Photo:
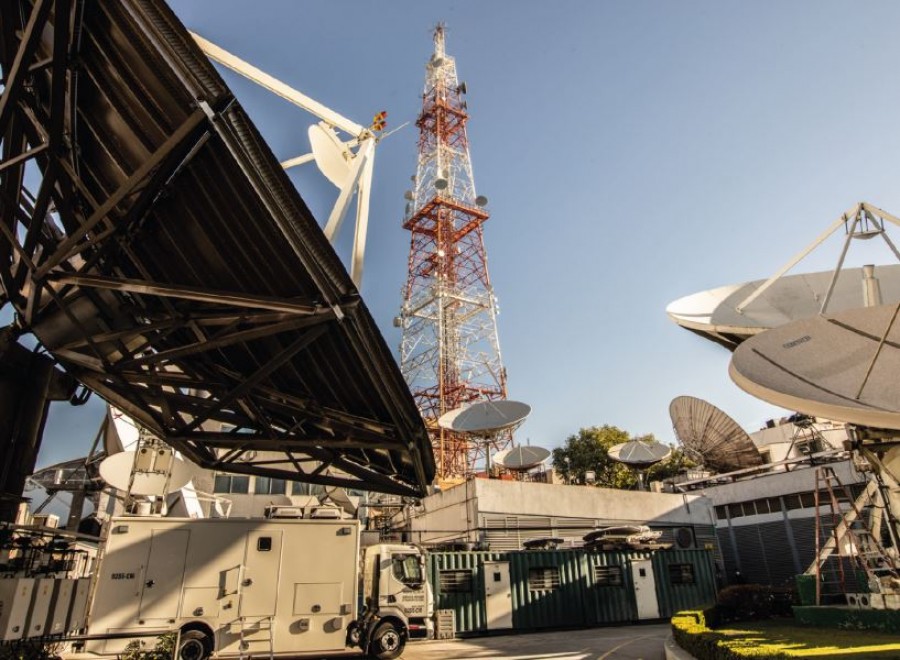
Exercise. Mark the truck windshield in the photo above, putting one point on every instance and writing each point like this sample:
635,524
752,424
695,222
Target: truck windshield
407,569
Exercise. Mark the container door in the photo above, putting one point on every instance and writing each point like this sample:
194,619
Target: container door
497,595
259,583
644,589
161,590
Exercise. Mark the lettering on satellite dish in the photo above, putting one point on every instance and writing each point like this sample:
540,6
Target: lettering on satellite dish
797,342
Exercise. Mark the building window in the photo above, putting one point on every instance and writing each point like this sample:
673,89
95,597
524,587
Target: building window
269,486
608,576
735,511
456,581
681,574
231,483
721,513
543,579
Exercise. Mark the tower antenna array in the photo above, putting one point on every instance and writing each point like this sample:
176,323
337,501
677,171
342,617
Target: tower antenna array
449,352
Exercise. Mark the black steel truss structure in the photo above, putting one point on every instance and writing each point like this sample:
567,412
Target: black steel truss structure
151,242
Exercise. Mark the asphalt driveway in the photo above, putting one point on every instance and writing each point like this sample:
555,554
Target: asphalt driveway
638,642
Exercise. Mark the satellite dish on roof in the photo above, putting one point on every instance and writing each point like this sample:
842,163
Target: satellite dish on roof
842,367
711,437
331,155
521,459
639,453
116,470
485,417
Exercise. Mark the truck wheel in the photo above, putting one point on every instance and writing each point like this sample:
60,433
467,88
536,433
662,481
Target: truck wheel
387,642
195,645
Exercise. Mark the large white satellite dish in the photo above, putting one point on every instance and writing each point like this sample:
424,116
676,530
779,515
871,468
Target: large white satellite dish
714,314
331,155
730,314
842,367
485,417
116,471
711,437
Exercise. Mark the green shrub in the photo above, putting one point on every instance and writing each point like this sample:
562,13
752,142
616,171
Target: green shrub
743,602
164,649
29,649
691,633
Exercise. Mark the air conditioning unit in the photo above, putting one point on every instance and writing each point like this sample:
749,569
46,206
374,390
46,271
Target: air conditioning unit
326,513
283,511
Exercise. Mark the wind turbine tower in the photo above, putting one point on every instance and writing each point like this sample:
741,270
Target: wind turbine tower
449,352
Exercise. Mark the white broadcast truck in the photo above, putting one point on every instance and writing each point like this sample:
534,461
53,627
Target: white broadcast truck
258,587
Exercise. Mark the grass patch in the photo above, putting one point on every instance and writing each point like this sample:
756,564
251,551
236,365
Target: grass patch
781,639
804,642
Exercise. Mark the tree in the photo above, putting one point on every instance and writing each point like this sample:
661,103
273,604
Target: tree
586,451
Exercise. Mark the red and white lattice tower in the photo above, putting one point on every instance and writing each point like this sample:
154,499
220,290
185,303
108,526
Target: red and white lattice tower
449,354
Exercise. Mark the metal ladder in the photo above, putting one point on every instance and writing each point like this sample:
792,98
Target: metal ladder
246,622
849,528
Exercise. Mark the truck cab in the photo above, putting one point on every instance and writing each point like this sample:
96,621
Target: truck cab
398,603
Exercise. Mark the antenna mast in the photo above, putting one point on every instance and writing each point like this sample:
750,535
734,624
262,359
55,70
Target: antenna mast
449,352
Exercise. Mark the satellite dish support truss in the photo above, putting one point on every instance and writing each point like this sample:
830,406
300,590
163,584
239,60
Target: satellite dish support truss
855,217
359,181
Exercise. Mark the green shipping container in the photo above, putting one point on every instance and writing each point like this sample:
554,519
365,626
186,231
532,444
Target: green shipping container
568,588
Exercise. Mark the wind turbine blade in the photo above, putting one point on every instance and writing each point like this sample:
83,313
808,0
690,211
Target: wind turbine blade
275,86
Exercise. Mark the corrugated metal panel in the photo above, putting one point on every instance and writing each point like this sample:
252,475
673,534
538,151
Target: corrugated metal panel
579,599
673,595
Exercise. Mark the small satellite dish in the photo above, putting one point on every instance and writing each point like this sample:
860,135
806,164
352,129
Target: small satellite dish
481,200
711,437
116,471
332,157
841,367
639,453
485,417
440,184
521,459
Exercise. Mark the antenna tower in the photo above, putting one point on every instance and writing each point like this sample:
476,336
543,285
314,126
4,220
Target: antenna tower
449,353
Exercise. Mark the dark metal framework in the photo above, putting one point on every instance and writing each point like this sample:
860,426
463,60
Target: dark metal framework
166,261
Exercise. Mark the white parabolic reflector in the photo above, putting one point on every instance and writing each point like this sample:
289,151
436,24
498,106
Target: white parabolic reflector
714,313
521,458
639,453
485,417
841,367
332,157
116,471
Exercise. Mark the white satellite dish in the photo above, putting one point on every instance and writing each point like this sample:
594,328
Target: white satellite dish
714,314
842,367
116,471
730,314
485,417
521,459
639,453
331,155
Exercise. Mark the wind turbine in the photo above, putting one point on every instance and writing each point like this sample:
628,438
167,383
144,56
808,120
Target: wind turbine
346,163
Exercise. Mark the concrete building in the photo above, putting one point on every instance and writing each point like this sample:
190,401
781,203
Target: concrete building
502,514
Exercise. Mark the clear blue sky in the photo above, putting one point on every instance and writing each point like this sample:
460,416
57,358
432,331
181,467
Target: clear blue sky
633,152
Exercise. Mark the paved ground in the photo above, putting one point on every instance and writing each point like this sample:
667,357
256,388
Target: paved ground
627,643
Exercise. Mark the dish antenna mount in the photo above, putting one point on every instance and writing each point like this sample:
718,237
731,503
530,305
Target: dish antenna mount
347,163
